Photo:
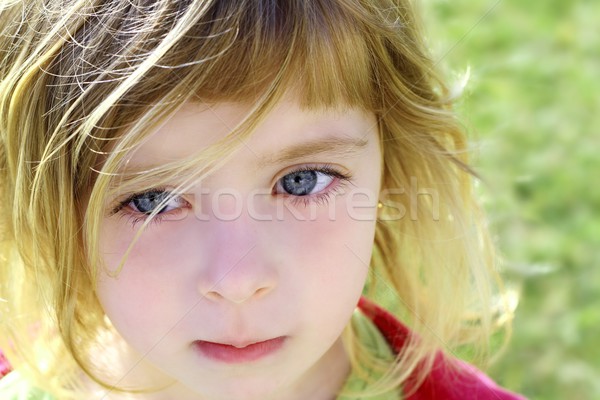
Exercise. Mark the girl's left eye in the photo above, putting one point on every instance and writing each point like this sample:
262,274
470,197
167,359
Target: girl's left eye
309,181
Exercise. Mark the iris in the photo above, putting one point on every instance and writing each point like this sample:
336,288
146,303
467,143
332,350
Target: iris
147,202
300,183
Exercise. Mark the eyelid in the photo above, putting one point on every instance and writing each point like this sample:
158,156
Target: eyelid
326,168
125,199
340,180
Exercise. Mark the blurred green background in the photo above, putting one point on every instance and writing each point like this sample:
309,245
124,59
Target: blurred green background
532,106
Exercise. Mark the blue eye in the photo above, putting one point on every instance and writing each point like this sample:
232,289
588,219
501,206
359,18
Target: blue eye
300,183
148,202
309,181
139,206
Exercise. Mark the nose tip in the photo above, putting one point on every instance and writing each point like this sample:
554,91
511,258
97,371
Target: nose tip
251,277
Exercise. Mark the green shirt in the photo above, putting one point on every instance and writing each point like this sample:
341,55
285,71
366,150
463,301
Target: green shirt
14,387
370,337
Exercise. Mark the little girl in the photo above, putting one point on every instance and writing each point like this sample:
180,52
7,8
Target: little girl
205,199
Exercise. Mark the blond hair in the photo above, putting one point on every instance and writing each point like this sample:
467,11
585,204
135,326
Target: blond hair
83,83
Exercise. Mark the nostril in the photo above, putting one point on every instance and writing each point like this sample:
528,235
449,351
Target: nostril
211,295
261,292
238,298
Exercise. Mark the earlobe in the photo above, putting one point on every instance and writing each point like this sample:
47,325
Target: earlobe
380,207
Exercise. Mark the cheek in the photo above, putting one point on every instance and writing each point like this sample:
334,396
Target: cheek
153,247
333,253
326,275
136,297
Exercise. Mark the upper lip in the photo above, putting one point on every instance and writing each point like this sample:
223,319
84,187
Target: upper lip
237,343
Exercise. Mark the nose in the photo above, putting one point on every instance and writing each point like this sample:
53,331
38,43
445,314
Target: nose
238,268
237,282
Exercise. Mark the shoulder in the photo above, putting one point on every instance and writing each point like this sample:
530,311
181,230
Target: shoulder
4,365
14,387
449,379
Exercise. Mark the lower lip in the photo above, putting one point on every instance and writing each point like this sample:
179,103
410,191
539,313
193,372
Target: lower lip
232,355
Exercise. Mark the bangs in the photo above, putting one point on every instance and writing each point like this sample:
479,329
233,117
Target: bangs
236,52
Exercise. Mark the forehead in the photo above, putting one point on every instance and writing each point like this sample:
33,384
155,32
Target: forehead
288,128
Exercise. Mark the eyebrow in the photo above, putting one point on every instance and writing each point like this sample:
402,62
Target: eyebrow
335,146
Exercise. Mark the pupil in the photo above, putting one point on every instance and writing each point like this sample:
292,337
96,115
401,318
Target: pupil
147,202
300,183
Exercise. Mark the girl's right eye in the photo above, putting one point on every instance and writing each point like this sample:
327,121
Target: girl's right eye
147,202
141,205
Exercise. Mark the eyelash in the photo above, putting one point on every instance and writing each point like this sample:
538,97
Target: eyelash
135,217
340,181
323,197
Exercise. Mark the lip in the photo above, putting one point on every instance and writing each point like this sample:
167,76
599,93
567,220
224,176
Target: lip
238,353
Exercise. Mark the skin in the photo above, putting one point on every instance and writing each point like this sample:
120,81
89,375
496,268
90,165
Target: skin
297,276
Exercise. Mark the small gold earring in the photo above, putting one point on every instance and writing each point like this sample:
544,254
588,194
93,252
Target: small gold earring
380,205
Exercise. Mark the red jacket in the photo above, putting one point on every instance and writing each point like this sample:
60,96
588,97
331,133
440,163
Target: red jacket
4,365
443,382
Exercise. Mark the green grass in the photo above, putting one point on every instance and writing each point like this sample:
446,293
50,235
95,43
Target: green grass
532,105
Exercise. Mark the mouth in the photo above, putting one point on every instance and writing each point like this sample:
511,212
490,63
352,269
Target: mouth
231,353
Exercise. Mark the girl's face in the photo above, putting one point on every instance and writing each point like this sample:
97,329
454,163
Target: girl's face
241,287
